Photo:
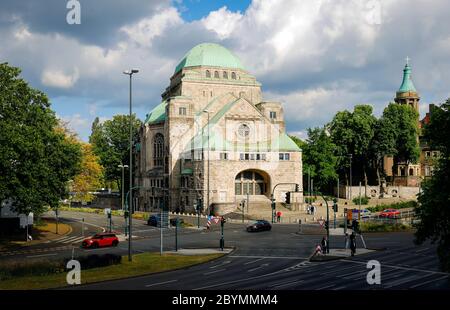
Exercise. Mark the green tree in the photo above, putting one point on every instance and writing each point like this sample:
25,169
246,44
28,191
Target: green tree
434,209
352,133
110,141
37,158
401,122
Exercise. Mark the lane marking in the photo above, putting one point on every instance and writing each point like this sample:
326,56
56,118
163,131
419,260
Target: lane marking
41,255
278,285
211,272
324,287
398,267
429,281
271,257
220,265
263,265
254,261
154,284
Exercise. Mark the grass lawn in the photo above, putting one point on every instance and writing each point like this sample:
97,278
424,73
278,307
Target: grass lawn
142,264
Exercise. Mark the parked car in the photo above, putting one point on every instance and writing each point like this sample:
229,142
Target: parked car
364,213
390,213
260,225
100,240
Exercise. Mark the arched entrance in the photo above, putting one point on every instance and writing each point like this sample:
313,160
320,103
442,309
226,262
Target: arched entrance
252,182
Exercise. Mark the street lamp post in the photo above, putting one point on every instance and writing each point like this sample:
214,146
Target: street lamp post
130,205
351,182
123,181
207,186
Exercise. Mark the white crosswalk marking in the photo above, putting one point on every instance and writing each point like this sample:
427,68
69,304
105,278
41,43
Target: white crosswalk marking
70,239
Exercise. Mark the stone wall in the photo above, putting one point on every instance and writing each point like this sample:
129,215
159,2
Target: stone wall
407,192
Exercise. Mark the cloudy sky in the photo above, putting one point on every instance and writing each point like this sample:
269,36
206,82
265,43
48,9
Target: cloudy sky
315,56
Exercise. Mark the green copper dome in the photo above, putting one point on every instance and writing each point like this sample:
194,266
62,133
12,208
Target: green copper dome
407,84
209,54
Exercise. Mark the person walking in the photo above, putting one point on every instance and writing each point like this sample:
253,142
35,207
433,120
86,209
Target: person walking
279,216
353,243
324,244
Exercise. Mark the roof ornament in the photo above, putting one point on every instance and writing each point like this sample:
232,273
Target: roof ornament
407,60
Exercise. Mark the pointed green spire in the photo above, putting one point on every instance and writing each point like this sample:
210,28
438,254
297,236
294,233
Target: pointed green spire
407,84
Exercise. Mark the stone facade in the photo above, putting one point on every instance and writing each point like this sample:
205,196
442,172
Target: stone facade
212,139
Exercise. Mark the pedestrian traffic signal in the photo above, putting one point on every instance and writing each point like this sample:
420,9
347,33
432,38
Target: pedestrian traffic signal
326,225
288,197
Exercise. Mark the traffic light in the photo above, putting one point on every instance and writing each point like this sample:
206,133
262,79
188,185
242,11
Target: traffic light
335,207
126,213
109,215
288,197
222,221
326,225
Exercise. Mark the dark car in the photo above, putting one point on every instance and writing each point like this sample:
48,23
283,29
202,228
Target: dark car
260,225
154,220
100,240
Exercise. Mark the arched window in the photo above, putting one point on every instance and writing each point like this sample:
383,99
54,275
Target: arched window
250,182
158,149
216,74
225,75
208,74
233,75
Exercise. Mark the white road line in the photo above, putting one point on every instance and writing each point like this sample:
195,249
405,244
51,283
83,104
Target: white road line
261,266
270,257
41,255
324,287
429,281
285,284
220,265
403,280
73,240
254,261
211,272
154,284
397,267
422,250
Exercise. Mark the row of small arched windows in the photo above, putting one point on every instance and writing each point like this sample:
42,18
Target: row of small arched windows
224,75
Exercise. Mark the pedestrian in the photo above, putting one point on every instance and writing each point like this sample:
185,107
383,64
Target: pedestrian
324,244
279,216
353,243
346,241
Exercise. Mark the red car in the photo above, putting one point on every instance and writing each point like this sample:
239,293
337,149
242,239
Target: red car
390,213
100,240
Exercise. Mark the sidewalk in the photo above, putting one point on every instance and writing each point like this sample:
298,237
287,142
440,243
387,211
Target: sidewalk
338,254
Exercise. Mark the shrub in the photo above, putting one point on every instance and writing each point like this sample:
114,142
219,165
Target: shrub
383,227
95,261
398,205
364,200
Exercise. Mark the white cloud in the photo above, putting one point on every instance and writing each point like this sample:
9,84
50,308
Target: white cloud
222,22
59,79
146,29
76,123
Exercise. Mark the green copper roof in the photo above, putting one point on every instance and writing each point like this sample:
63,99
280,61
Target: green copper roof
217,142
209,54
158,114
186,171
407,84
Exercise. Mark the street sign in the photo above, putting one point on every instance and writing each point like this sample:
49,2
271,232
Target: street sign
216,220
321,222
107,210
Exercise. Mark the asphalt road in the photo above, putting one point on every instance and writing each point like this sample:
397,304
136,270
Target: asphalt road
278,259
274,267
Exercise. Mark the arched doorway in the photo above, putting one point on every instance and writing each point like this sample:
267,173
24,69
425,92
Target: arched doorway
251,182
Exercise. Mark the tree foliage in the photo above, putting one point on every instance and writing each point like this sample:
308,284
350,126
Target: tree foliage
434,199
90,177
37,158
110,141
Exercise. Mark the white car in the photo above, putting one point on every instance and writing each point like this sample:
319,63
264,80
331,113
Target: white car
365,214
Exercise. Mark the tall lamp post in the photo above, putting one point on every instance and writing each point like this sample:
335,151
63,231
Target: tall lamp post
123,181
130,205
207,186
350,156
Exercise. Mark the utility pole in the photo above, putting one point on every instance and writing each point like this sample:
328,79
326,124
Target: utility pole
176,235
130,206
359,213
161,228
351,181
